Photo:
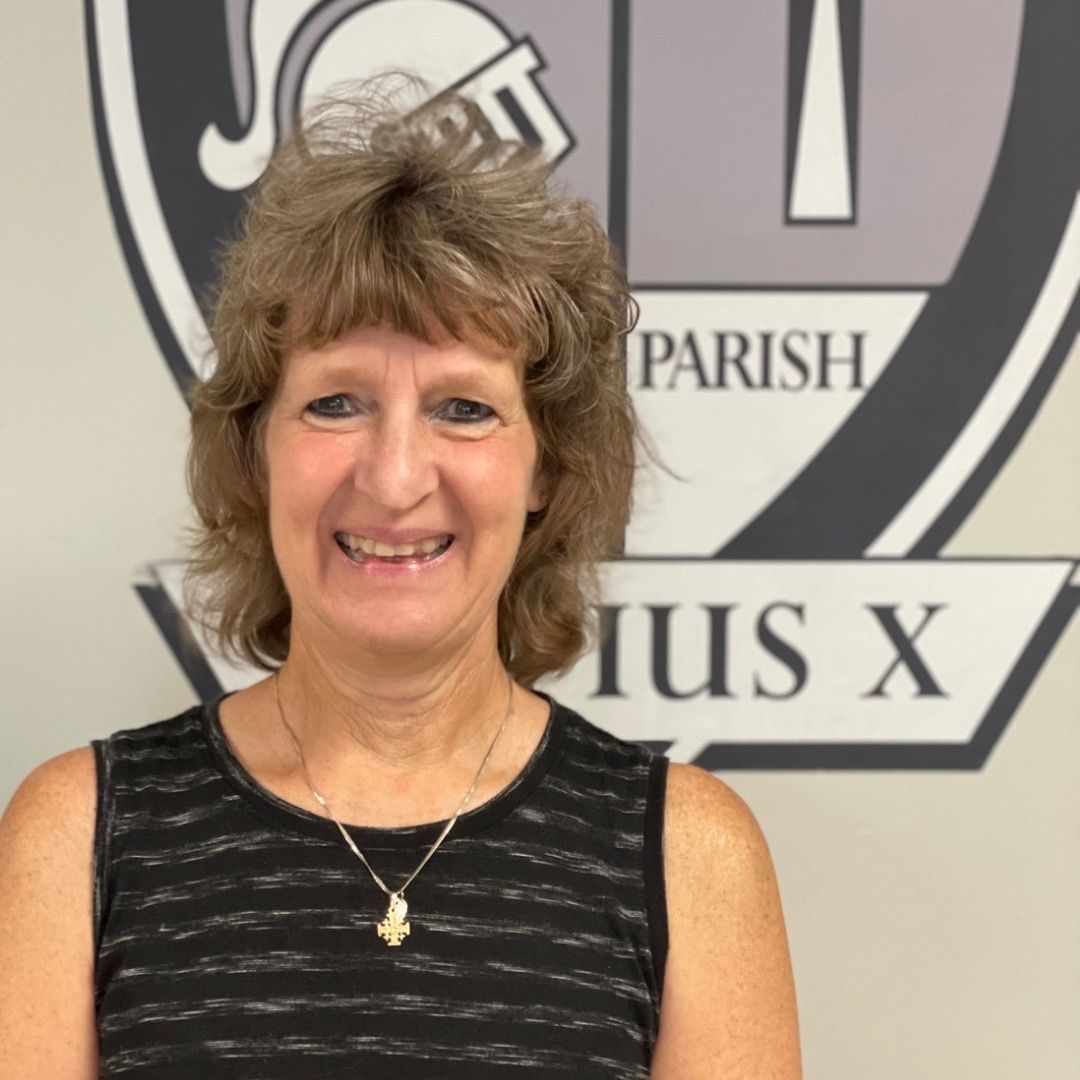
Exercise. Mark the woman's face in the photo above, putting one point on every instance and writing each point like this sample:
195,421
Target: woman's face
400,474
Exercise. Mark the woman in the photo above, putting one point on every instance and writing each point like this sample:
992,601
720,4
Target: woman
392,856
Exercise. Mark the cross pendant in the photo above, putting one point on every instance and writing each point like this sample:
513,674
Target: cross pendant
394,929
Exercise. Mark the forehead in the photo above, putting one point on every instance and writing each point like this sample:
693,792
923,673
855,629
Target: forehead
369,350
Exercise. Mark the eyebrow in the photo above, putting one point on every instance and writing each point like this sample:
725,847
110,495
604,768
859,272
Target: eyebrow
331,371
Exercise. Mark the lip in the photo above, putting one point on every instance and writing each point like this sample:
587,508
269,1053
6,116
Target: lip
395,536
389,570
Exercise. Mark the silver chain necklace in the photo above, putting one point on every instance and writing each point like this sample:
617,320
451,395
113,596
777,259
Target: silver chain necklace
394,927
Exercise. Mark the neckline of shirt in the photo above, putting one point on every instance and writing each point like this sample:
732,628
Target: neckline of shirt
287,814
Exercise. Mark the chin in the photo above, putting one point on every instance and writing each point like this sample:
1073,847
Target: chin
399,633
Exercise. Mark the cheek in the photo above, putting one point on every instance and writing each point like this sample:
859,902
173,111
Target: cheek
495,479
303,472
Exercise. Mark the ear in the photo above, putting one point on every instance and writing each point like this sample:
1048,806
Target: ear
538,493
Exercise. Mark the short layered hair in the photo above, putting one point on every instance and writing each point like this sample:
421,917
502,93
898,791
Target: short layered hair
372,214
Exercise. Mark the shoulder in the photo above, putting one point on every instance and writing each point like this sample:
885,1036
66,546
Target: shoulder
175,732
159,745
729,1000
65,784
597,746
704,815
714,850
47,829
46,894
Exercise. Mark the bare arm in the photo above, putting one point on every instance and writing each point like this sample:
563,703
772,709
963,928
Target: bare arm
48,1027
728,1009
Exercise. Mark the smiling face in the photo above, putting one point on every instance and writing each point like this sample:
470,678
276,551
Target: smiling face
380,448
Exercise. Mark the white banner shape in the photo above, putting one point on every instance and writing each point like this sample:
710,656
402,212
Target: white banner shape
862,652
796,664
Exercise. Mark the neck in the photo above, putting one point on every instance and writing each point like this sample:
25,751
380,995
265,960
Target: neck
402,718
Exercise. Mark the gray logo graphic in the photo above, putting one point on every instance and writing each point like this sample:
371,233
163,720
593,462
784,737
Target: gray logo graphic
854,236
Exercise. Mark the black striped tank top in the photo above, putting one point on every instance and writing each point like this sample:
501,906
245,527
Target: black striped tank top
235,932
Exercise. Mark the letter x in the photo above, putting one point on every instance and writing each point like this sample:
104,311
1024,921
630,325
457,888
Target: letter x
905,651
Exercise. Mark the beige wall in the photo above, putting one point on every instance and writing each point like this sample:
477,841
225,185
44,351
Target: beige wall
931,915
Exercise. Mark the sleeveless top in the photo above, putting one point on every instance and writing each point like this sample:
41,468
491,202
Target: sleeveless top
236,933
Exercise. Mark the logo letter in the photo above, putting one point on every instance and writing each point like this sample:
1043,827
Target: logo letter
905,651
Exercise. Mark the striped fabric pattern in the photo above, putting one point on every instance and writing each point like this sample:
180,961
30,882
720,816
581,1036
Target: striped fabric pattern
236,932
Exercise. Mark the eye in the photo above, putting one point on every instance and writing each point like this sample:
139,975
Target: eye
329,407
464,411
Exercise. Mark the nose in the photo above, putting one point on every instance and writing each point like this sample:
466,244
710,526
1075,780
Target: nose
396,466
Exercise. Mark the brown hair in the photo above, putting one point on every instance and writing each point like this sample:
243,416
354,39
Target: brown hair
369,214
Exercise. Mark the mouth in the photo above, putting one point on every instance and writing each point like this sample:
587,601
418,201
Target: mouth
361,549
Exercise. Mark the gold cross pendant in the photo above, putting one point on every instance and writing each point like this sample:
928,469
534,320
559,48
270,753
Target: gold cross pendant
394,929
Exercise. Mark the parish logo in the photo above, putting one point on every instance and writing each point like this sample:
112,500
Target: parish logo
855,242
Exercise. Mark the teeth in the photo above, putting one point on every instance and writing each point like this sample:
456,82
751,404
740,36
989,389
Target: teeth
378,548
